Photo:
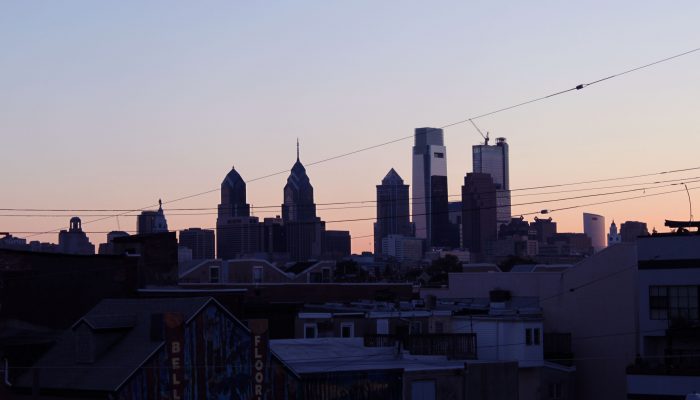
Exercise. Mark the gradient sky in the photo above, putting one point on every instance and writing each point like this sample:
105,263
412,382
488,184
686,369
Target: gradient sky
114,104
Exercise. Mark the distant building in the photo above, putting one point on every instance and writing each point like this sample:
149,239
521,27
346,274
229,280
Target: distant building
274,236
478,213
237,233
157,255
11,242
74,240
430,213
567,244
393,216
455,216
303,229
544,229
108,247
403,248
152,221
200,241
594,228
493,160
631,230
336,244
613,236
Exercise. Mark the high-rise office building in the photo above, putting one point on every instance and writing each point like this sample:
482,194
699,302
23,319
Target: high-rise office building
631,230
303,229
392,210
74,240
544,229
594,228
478,213
200,241
152,221
493,160
237,233
430,212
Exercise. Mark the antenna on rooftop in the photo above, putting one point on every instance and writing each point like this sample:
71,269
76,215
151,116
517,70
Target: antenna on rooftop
486,137
690,203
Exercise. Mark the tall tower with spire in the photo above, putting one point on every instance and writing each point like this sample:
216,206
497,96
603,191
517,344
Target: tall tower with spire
304,230
237,233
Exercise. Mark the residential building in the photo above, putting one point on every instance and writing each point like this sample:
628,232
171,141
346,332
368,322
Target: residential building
74,240
668,289
200,241
393,216
493,160
594,228
478,213
152,348
429,192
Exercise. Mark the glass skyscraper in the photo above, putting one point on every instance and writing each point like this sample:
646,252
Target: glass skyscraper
493,160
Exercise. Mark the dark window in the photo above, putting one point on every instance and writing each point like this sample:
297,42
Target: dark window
673,302
310,331
415,328
528,336
214,275
439,155
346,330
537,336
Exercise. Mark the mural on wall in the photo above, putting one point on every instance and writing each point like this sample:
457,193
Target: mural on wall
216,363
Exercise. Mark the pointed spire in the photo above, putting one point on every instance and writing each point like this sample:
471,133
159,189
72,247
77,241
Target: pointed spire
160,205
297,149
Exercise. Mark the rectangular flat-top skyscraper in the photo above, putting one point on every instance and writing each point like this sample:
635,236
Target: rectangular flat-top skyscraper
493,160
430,214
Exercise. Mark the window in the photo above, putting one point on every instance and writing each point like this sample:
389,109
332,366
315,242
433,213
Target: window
536,335
439,327
326,275
673,302
528,337
213,274
439,155
555,391
257,274
347,329
310,331
382,327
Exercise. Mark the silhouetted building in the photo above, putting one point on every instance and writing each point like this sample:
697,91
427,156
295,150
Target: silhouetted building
303,229
402,248
108,247
392,210
11,242
74,240
567,244
237,233
613,236
430,212
478,213
493,160
455,216
157,256
152,221
631,230
200,241
594,227
337,244
544,229
274,237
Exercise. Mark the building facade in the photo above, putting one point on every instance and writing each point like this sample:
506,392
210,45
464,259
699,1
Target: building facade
478,213
152,221
430,211
200,241
493,160
237,233
74,240
594,228
392,210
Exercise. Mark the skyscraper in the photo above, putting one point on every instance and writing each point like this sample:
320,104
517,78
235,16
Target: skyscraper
152,221
200,241
478,213
594,228
74,240
237,233
493,160
430,212
303,229
392,210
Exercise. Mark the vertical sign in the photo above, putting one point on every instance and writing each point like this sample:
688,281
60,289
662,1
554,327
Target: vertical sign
175,348
260,358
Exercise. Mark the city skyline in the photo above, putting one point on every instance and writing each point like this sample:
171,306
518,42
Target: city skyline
196,91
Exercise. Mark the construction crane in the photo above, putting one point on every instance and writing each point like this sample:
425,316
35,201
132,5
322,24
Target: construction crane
486,137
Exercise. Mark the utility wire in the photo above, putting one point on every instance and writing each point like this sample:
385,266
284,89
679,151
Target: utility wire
575,88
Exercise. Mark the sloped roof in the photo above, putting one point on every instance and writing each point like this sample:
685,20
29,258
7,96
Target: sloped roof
132,317
392,178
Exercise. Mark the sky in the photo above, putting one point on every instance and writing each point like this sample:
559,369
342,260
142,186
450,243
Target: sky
115,104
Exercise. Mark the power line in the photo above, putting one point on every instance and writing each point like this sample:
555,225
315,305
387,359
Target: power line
575,88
